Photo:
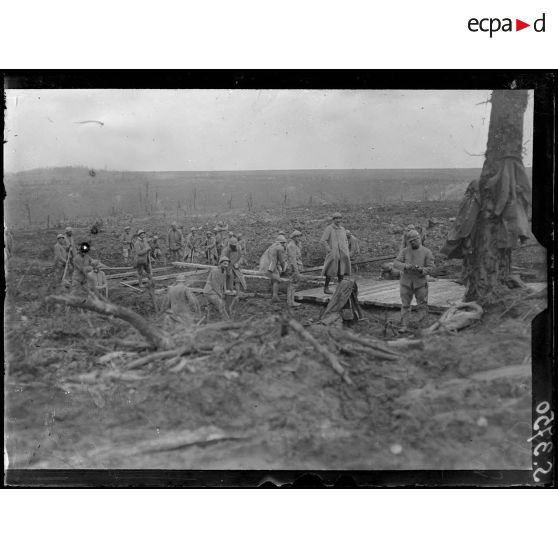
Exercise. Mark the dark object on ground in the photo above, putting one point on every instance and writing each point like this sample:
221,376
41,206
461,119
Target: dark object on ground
343,304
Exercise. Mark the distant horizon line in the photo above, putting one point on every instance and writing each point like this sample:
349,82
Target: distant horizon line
242,170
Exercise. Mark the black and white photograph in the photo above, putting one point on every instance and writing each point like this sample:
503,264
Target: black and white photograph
256,278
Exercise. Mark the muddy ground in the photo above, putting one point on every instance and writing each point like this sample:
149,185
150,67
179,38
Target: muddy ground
258,396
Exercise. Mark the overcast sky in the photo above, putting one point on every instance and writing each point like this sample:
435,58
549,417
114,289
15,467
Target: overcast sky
248,129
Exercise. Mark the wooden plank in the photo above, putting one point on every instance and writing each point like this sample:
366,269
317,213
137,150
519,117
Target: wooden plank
442,293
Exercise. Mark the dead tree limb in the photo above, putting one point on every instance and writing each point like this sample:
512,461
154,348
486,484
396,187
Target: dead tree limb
155,336
380,350
331,358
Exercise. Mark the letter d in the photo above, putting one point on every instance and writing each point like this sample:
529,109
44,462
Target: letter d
535,27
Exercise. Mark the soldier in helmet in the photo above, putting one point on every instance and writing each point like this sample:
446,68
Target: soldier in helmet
142,251
126,238
176,242
97,280
82,266
275,263
216,287
60,256
414,262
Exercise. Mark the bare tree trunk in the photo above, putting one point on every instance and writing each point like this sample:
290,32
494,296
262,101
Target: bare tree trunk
487,268
155,336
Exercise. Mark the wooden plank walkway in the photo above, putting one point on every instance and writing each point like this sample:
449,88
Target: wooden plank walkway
442,293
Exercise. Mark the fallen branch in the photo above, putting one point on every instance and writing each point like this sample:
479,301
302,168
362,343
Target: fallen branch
161,355
331,358
155,336
377,347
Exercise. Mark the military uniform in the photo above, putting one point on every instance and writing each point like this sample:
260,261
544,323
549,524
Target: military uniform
413,282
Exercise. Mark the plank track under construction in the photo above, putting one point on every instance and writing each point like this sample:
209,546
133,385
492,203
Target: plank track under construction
442,293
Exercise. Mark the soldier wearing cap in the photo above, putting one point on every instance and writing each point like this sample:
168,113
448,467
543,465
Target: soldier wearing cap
127,239
97,280
142,251
414,262
176,242
276,264
294,266
216,287
337,261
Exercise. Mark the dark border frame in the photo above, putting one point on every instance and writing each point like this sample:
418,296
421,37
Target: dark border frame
543,82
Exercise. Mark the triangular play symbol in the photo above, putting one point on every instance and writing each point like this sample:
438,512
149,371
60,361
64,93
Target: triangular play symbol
519,25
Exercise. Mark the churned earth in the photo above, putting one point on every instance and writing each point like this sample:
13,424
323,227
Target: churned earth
256,395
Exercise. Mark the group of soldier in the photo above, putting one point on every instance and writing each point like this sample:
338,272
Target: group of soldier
75,269
281,261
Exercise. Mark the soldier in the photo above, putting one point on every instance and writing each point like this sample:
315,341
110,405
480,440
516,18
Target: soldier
60,257
354,248
142,263
215,287
97,280
277,264
218,231
210,249
337,261
70,250
176,243
294,266
182,300
415,263
156,252
242,244
236,261
407,231
126,239
82,266
190,245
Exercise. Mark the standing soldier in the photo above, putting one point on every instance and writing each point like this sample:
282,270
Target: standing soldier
70,250
97,280
126,239
156,252
176,243
415,263
354,248
216,287
82,266
242,244
60,257
218,232
337,261
274,262
190,245
294,266
210,249
142,263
